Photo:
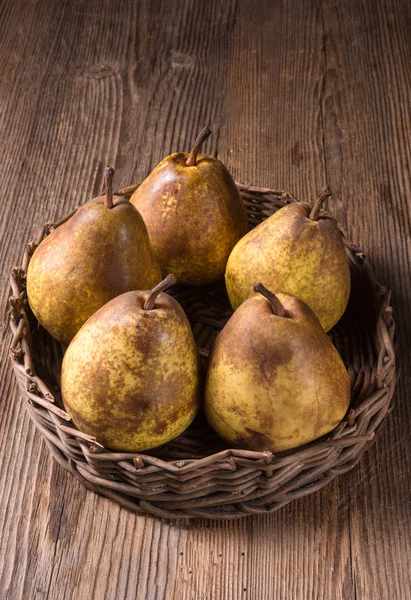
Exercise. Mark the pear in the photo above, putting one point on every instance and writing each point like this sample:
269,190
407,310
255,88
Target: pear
102,251
193,213
298,250
130,377
274,381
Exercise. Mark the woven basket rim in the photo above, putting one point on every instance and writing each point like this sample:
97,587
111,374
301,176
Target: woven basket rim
40,397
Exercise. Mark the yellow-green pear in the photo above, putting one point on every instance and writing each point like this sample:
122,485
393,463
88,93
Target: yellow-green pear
193,213
130,377
298,250
102,251
275,381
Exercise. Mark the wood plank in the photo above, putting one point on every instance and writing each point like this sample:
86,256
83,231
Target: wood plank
367,132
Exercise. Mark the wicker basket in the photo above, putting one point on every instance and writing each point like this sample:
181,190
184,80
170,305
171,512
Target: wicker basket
197,475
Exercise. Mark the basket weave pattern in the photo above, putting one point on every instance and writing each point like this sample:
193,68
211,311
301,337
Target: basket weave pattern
198,475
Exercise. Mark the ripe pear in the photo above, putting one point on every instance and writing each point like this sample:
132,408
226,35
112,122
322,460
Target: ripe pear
102,251
298,250
130,377
274,381
193,213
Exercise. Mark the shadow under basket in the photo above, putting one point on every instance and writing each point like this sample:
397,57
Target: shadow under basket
197,474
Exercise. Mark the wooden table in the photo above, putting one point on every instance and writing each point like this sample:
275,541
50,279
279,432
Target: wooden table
297,94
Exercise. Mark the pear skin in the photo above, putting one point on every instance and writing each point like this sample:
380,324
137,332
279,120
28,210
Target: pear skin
193,213
100,252
130,377
293,252
275,381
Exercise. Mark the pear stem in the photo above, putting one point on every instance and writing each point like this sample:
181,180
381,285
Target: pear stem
202,136
108,200
278,308
160,287
318,204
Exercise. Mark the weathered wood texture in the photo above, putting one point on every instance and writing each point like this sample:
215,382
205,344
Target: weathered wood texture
297,93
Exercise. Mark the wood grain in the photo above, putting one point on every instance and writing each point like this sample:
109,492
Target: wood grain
367,132
297,93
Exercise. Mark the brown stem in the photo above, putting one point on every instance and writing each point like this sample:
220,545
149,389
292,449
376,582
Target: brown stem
202,136
278,308
318,204
160,287
108,200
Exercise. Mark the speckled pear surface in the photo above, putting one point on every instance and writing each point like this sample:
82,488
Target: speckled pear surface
130,377
274,382
194,216
292,253
96,255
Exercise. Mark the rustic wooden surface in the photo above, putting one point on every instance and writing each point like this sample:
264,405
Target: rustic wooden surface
297,93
